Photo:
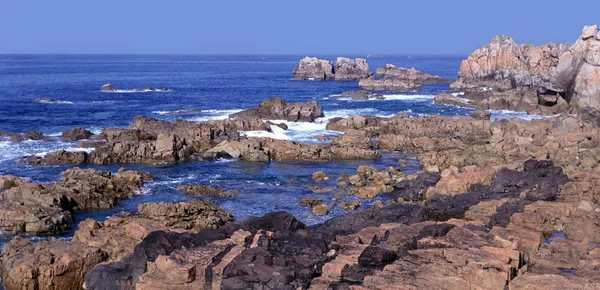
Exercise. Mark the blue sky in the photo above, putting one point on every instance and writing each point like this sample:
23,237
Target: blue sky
284,26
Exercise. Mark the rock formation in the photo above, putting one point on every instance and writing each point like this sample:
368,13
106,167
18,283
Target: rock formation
563,79
578,71
315,69
346,69
76,134
351,70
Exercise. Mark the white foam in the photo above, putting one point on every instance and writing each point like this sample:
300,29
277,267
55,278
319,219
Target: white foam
458,94
177,112
12,151
507,114
64,102
335,95
214,115
394,97
137,91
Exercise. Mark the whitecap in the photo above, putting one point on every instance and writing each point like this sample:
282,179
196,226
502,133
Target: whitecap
138,91
458,94
214,115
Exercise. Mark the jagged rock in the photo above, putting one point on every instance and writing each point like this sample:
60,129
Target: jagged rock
578,71
503,65
351,70
315,69
278,109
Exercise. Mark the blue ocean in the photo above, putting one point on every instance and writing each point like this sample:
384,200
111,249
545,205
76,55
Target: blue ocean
199,88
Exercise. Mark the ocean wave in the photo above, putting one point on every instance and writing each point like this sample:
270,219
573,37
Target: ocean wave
55,102
11,151
178,112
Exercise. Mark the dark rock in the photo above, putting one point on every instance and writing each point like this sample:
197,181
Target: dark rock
76,134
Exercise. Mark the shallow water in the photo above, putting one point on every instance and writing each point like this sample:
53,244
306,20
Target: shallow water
215,85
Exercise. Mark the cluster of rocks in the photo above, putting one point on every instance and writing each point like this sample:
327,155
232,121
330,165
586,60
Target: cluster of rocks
70,135
388,78
111,88
346,69
362,95
152,141
547,79
487,230
28,207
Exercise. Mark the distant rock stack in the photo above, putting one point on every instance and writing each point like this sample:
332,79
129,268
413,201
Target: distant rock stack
351,70
312,68
346,69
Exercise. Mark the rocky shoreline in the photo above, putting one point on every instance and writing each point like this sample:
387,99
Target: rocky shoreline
498,204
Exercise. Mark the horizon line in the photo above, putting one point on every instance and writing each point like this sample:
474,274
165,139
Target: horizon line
237,54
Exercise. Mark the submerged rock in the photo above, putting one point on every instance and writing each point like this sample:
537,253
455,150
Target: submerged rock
44,100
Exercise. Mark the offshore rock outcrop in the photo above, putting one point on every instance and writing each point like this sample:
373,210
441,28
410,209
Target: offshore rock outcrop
392,78
315,69
278,109
346,69
390,71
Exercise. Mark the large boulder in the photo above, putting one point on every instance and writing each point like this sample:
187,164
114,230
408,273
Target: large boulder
351,70
278,109
578,71
311,68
